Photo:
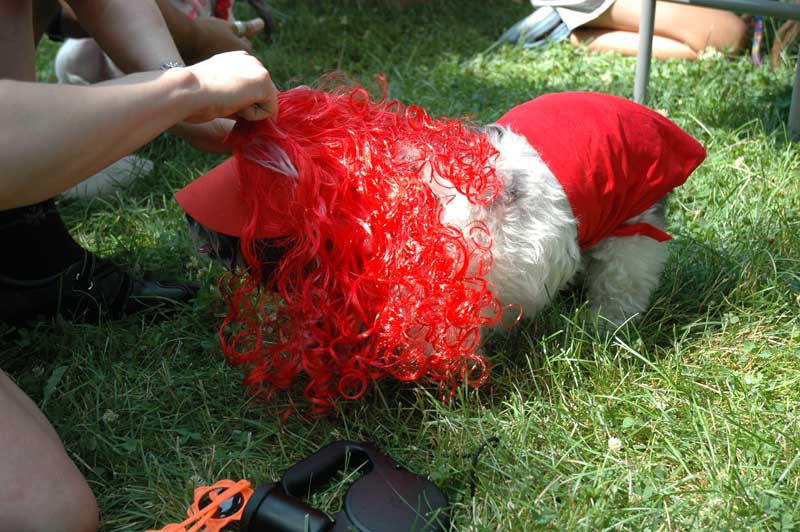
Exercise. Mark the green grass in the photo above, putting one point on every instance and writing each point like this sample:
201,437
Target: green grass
703,395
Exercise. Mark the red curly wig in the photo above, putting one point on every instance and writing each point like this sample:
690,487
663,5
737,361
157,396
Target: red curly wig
373,282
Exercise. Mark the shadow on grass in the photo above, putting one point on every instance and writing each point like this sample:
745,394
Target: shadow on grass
768,107
688,305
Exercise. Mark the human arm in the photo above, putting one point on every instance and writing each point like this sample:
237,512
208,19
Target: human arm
133,34
54,136
118,26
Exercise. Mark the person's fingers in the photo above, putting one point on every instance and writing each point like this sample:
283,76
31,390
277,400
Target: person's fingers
234,82
253,27
208,136
247,46
267,108
271,98
256,112
266,104
247,28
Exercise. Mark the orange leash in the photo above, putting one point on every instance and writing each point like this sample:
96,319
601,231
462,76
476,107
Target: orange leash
214,507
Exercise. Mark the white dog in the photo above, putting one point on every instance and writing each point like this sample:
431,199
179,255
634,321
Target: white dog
603,217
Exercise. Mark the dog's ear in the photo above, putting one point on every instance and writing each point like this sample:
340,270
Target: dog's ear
493,131
511,181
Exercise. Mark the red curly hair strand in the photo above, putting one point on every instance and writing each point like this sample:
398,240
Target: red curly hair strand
373,283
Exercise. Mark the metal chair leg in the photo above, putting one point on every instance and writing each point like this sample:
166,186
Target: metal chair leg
645,51
794,110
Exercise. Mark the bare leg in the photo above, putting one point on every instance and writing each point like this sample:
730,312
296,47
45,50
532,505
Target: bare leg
695,27
83,62
18,60
41,490
627,43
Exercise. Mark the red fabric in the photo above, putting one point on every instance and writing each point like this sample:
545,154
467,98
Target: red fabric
222,9
614,158
215,200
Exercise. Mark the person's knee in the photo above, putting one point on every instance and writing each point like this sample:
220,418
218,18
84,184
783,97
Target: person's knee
714,28
63,503
73,503
728,33
41,489
81,62
78,507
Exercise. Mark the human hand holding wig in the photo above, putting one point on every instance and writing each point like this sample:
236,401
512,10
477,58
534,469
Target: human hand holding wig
372,283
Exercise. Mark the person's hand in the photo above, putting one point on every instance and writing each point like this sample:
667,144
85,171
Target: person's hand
233,83
208,137
214,36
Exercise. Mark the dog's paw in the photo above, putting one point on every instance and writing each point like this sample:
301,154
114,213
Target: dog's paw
609,320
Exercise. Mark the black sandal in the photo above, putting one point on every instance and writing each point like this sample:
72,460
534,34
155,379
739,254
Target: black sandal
90,290
265,12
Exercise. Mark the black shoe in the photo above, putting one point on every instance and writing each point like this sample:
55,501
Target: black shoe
265,12
89,290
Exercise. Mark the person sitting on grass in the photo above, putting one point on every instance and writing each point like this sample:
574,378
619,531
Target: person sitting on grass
41,489
680,31
45,272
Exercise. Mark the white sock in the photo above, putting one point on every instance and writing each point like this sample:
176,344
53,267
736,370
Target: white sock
118,175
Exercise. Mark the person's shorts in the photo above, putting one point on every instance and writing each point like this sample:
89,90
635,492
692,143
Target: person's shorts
576,13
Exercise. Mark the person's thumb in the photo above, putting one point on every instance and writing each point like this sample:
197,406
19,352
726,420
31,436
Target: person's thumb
253,27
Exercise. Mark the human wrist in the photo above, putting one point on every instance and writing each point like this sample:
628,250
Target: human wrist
184,89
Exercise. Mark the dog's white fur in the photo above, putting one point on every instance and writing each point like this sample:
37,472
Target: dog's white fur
536,251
